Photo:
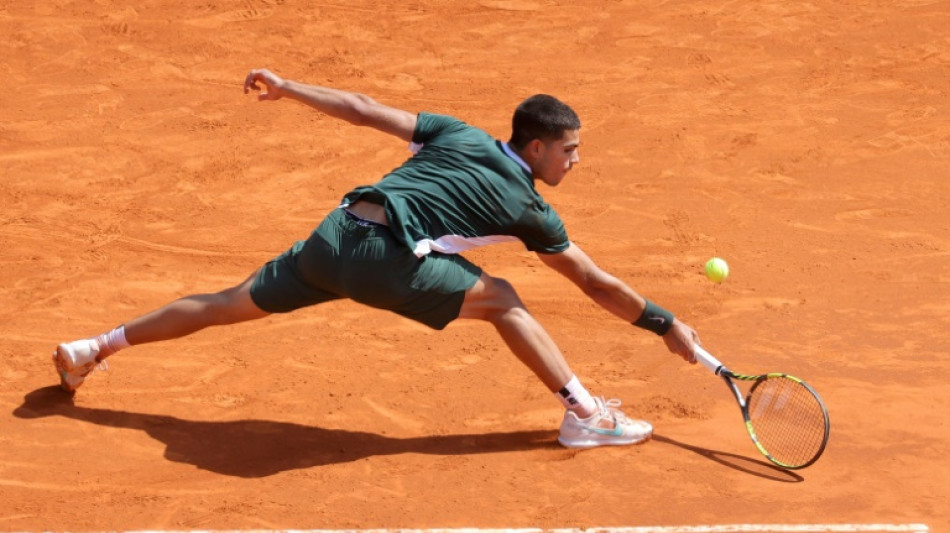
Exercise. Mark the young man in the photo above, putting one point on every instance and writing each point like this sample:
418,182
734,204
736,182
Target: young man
395,245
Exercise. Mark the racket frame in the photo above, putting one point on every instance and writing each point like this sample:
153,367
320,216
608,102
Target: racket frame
716,367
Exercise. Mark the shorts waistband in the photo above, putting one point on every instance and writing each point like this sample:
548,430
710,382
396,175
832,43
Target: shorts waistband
362,221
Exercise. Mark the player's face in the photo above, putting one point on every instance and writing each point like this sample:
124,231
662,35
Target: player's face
558,157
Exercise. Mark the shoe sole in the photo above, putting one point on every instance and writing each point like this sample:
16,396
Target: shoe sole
64,366
585,444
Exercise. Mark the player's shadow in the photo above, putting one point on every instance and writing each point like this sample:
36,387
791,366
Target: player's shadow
754,467
259,448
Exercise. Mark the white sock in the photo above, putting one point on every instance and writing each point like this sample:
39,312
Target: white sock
112,341
575,397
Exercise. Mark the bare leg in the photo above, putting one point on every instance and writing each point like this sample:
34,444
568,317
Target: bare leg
583,426
193,313
75,360
496,301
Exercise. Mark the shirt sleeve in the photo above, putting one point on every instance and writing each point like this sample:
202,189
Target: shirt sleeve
430,126
541,230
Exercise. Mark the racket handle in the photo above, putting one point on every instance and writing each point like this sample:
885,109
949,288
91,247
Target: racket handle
707,360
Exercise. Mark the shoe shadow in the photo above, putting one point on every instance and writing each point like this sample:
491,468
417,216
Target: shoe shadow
260,448
750,466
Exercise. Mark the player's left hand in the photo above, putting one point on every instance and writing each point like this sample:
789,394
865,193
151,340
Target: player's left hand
681,339
272,82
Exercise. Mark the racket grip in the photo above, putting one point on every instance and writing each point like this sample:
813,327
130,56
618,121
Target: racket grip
707,360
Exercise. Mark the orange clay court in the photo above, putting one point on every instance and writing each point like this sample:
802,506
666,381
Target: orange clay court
807,143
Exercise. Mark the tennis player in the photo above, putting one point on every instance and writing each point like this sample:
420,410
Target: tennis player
396,245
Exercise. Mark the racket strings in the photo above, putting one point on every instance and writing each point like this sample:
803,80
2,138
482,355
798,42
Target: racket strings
788,420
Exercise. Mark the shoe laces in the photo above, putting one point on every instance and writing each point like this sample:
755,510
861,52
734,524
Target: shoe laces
99,365
610,410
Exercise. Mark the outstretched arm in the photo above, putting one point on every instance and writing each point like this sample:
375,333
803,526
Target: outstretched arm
355,108
616,296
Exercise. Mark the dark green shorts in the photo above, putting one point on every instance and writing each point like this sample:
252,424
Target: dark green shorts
349,258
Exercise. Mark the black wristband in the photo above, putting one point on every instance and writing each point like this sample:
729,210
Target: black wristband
655,319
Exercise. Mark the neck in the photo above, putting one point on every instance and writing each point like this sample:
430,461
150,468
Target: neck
516,154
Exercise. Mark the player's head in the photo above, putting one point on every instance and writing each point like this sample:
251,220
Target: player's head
545,132
541,117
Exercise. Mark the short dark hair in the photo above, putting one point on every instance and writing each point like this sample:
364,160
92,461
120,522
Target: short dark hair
541,117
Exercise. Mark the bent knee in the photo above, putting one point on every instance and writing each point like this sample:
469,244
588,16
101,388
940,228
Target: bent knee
502,293
490,299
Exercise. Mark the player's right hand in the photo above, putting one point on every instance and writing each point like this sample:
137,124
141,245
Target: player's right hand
272,82
681,339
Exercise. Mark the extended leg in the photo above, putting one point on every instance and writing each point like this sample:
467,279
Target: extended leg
75,360
194,313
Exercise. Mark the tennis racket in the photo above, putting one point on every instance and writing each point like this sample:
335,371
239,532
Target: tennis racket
785,417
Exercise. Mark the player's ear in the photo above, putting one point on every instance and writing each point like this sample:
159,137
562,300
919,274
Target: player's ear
535,148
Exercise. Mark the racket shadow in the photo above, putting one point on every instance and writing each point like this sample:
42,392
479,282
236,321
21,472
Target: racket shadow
741,463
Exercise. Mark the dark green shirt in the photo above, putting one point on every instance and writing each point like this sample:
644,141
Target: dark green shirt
461,190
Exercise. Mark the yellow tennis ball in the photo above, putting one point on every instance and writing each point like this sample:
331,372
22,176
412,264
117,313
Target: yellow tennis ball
717,269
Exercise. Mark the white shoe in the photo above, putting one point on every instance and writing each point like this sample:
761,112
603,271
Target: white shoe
75,360
608,426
